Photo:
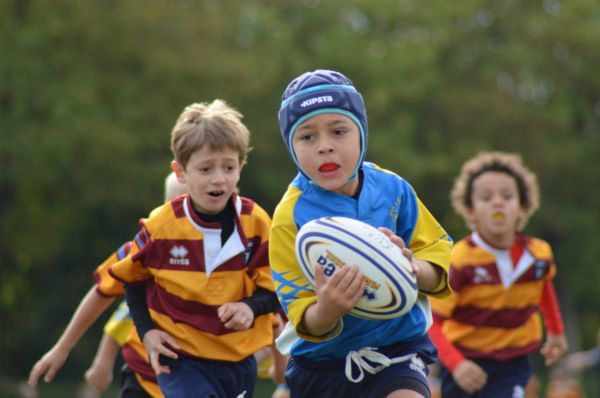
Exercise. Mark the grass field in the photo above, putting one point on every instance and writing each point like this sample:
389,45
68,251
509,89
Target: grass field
264,389
64,389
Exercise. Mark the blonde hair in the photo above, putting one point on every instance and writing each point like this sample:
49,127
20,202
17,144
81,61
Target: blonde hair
215,124
511,164
173,187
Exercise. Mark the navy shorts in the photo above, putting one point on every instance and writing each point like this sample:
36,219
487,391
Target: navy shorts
194,377
308,378
130,388
506,379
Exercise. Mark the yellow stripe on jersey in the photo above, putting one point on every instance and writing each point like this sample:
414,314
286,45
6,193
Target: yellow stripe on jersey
518,296
229,347
489,339
221,287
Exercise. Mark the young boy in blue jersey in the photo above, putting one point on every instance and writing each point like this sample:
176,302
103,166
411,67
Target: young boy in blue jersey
334,354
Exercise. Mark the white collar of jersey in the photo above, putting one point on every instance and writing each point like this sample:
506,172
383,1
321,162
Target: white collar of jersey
508,273
215,253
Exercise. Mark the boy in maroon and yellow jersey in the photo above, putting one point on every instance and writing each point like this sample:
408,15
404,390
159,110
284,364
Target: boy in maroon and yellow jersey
199,285
501,280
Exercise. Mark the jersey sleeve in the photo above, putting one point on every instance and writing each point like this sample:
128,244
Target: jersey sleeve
293,290
106,285
444,307
261,273
551,310
119,324
131,269
449,355
431,243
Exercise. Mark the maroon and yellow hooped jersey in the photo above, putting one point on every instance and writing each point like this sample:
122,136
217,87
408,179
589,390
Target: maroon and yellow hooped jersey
494,311
189,274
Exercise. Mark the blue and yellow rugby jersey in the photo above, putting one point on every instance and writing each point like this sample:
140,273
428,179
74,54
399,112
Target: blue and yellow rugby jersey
190,273
385,200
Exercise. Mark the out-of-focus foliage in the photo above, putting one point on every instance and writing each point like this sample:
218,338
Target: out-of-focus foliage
90,90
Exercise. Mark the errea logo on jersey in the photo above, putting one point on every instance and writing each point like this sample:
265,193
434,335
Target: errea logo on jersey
316,100
179,256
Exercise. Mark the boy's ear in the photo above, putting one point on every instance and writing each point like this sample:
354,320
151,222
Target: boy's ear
178,169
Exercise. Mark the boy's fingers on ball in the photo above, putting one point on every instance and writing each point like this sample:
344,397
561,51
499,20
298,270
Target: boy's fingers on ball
386,231
319,276
359,292
345,276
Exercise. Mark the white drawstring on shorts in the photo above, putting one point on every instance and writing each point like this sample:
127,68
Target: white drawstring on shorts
368,353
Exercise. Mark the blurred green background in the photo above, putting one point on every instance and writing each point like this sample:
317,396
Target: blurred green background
89,92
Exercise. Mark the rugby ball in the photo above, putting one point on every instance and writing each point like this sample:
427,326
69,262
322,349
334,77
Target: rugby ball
334,242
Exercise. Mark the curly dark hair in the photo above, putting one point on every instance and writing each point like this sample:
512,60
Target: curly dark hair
508,163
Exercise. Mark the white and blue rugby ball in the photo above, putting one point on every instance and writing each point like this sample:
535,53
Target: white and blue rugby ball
334,242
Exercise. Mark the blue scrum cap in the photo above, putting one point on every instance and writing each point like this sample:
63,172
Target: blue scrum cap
317,92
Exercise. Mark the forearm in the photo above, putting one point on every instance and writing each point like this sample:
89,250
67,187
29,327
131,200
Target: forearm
449,355
429,276
135,296
88,311
317,322
262,302
107,352
551,310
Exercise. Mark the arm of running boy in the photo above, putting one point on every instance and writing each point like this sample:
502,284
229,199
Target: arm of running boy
469,376
90,308
554,348
156,341
582,360
556,344
237,316
100,374
336,296
277,370
240,315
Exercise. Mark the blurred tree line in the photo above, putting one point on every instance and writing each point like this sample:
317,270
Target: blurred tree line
89,92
